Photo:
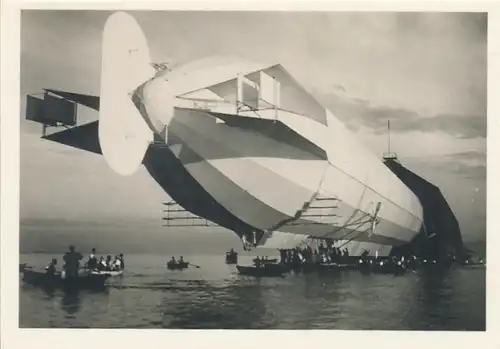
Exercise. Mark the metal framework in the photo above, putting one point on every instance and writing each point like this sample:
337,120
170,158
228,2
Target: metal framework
174,215
318,211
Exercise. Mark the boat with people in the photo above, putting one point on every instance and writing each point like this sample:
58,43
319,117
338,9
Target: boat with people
60,280
177,265
231,257
180,264
92,275
264,267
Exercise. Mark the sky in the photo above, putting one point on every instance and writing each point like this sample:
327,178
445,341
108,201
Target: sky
425,72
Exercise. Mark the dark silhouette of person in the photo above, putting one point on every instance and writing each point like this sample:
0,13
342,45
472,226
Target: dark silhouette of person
92,262
102,264
122,263
109,264
72,260
50,269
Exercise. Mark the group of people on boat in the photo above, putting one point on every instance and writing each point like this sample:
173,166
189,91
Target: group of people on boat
325,252
72,259
105,264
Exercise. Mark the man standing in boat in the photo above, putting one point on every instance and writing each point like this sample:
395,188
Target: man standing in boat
92,262
72,262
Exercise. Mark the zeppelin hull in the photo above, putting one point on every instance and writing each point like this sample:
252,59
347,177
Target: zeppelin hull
271,185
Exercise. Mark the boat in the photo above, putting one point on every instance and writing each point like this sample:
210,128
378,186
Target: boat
177,265
248,149
56,281
107,272
231,257
271,270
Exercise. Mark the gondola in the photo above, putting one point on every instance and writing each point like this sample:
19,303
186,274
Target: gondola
271,270
177,265
83,281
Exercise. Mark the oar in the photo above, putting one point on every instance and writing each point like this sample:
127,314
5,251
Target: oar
194,265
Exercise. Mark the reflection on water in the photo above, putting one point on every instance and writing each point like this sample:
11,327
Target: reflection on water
70,303
214,296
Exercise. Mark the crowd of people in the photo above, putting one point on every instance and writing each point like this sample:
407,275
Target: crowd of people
72,260
306,255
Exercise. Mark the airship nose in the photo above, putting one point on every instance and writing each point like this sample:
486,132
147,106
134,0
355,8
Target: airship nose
155,101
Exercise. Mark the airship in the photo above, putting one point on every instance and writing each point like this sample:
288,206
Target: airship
241,144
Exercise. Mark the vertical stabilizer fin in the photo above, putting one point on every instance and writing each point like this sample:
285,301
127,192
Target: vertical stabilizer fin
124,136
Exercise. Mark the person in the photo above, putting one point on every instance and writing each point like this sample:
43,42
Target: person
109,265
72,260
181,260
102,264
92,262
173,261
258,262
50,269
116,263
122,263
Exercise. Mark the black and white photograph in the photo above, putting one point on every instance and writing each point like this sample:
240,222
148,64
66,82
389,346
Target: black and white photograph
192,169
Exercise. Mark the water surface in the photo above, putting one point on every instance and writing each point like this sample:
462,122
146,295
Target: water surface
214,296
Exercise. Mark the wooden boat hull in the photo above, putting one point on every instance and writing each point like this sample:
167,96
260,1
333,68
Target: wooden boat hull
108,273
271,270
87,281
177,266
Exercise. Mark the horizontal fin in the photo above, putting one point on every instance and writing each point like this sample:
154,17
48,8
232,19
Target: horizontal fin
86,100
83,137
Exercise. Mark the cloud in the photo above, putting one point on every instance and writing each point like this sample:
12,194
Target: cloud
467,165
357,112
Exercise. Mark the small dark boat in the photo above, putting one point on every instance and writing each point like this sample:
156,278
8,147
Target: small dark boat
177,265
231,257
84,281
262,271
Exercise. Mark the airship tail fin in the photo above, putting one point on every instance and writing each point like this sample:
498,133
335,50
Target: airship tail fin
124,135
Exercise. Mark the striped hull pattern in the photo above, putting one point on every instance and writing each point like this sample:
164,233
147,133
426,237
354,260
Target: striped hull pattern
275,186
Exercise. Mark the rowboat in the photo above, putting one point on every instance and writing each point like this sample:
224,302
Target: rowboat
231,257
177,265
271,270
85,281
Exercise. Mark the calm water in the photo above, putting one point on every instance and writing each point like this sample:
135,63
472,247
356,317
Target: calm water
215,296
